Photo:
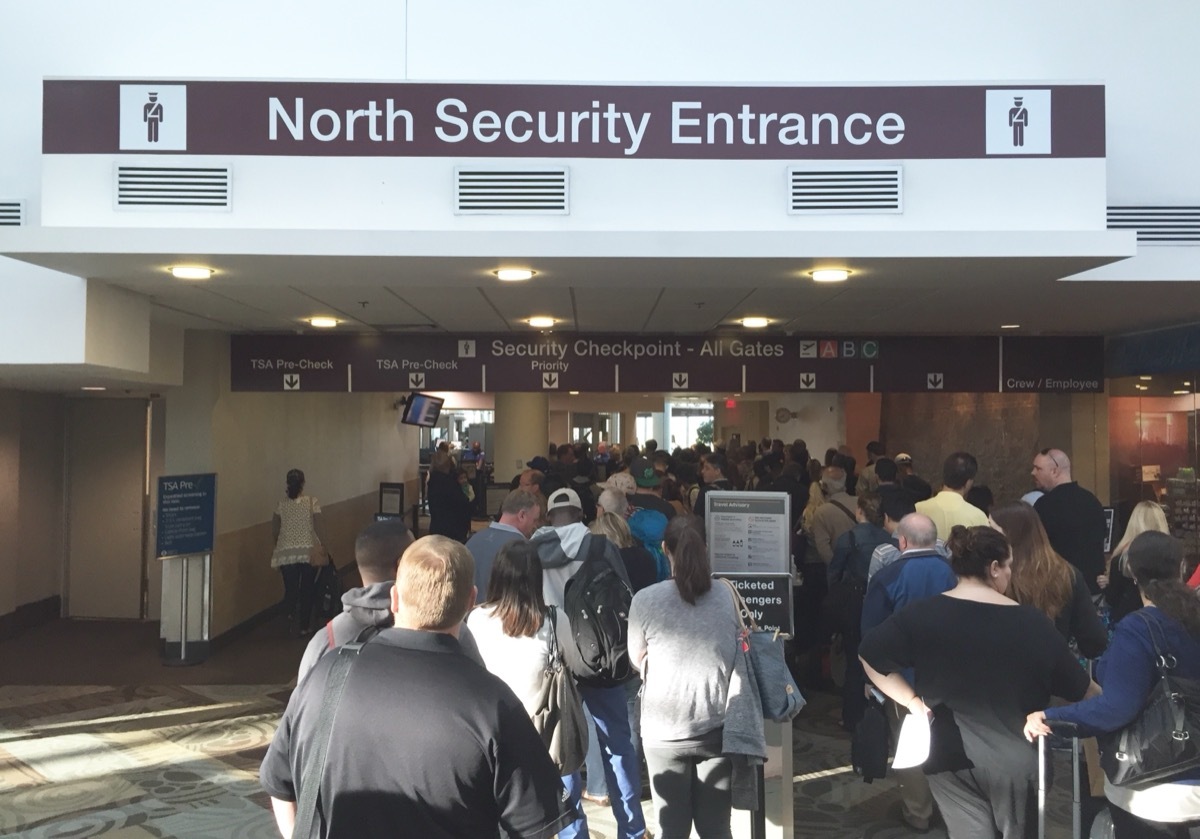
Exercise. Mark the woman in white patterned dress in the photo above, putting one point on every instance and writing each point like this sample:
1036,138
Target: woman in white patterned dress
297,529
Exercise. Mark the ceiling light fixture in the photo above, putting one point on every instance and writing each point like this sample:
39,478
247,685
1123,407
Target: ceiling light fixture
1010,326
323,322
93,387
514,275
1182,393
572,392
191,272
542,322
829,275
1146,378
755,323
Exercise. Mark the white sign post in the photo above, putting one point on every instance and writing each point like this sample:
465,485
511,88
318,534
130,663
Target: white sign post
749,543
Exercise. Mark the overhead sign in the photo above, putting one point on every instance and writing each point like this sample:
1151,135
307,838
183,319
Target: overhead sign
598,363
186,515
1052,365
416,119
748,532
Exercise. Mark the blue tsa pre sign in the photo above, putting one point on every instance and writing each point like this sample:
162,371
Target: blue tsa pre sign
186,515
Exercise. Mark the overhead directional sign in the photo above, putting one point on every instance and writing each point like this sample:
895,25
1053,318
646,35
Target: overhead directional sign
593,363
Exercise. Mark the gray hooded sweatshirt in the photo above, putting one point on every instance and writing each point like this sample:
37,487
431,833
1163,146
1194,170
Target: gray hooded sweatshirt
362,607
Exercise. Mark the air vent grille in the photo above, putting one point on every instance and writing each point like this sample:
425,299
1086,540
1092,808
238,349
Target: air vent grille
1165,225
875,189
156,187
12,213
515,192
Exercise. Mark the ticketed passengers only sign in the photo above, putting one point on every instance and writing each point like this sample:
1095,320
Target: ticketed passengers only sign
411,119
601,363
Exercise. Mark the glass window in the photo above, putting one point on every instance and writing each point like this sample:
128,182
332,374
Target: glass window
1153,451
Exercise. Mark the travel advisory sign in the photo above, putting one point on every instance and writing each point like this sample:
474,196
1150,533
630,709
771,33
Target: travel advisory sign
416,119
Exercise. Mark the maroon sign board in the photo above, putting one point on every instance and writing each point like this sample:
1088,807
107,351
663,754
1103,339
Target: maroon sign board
558,362
415,119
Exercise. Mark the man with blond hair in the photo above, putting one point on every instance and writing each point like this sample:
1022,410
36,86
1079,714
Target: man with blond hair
424,742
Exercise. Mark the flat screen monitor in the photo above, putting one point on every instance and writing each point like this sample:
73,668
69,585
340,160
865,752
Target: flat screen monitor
422,409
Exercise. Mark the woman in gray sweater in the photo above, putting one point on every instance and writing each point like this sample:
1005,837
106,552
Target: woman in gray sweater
683,636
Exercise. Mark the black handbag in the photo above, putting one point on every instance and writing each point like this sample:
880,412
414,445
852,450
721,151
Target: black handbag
559,718
1163,741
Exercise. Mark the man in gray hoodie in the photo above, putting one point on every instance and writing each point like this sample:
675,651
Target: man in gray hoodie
561,547
377,552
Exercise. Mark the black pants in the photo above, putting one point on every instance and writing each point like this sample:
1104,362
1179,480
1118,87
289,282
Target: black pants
298,593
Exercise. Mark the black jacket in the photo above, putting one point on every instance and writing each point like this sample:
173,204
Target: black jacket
449,507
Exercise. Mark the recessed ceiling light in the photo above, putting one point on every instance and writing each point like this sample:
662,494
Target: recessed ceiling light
93,387
829,275
1182,392
573,392
1010,326
1187,384
191,272
1146,378
542,322
514,275
323,323
755,323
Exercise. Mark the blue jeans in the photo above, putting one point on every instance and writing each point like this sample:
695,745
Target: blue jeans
577,829
609,707
594,762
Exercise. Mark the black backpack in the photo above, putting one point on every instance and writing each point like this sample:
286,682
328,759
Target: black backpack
596,602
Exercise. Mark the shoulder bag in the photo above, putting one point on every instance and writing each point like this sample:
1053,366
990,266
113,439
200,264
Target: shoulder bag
1163,741
318,557
308,785
559,718
781,698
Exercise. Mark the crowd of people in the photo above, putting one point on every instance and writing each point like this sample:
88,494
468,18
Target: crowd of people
972,613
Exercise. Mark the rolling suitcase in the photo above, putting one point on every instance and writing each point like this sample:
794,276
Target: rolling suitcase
1076,793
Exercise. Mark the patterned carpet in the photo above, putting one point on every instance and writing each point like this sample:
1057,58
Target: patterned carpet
151,761
177,762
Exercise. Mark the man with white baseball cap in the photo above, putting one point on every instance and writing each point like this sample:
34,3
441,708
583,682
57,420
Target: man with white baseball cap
561,547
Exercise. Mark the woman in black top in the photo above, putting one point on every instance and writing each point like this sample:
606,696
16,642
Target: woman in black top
1046,581
449,507
980,663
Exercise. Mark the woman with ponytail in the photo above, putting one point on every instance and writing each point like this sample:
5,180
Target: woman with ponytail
683,635
296,526
1128,673
976,662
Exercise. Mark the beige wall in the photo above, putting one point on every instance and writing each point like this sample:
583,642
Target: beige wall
819,420
346,443
31,498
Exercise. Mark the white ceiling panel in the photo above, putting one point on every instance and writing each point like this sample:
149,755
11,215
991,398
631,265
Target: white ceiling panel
453,309
375,306
516,302
615,309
